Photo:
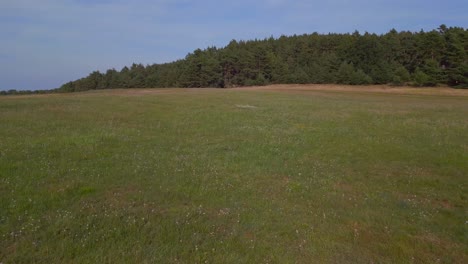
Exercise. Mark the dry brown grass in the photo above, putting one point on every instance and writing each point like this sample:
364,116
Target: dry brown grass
443,91
289,88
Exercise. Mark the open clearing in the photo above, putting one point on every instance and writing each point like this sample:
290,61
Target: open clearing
275,174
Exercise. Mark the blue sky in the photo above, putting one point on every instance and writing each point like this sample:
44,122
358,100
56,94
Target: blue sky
49,42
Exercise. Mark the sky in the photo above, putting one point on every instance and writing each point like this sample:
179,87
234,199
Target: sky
46,43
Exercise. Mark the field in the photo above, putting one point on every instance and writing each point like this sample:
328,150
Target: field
277,174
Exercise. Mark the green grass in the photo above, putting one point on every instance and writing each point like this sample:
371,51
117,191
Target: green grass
203,177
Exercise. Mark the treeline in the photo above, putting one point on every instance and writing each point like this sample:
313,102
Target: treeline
22,92
437,57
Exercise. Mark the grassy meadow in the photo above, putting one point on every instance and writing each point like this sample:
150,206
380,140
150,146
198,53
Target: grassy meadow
234,176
